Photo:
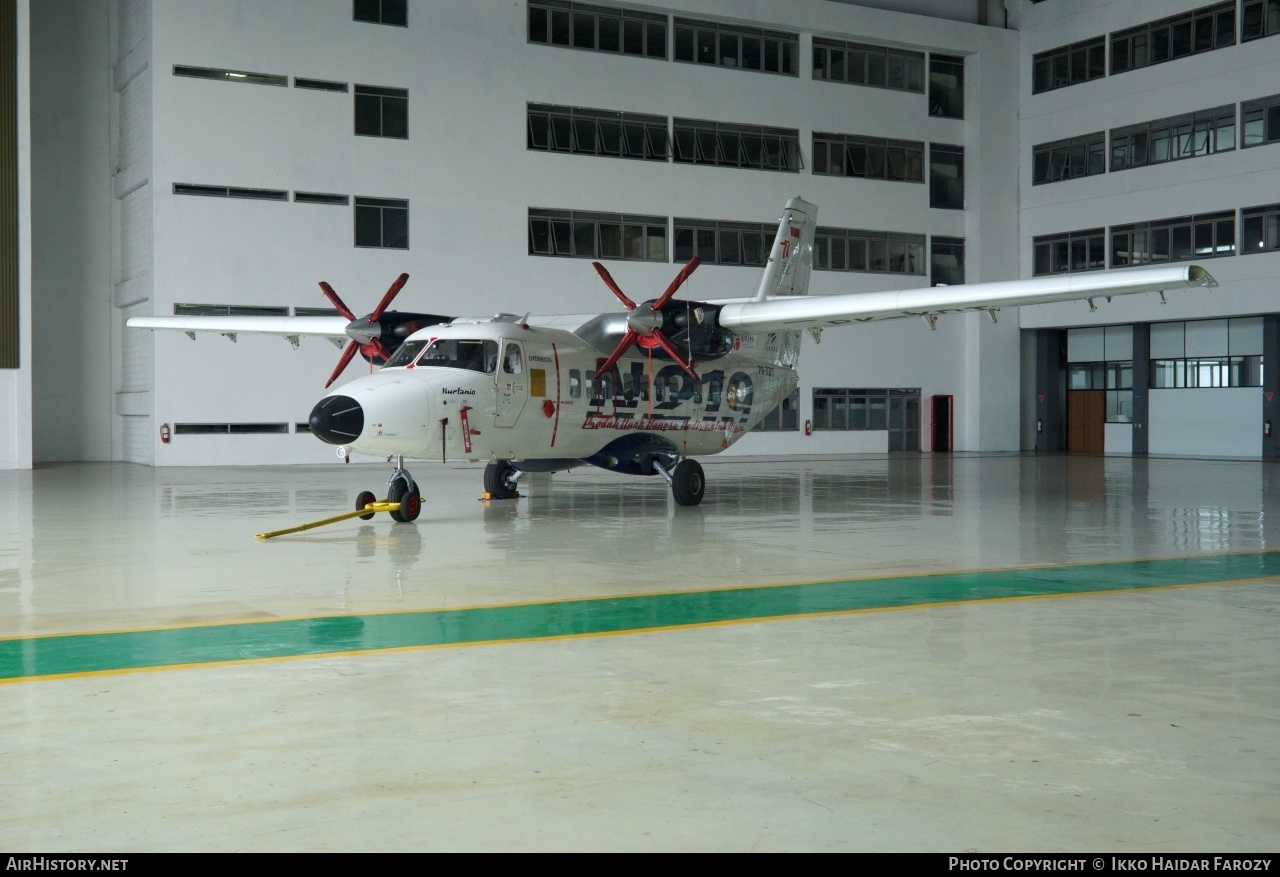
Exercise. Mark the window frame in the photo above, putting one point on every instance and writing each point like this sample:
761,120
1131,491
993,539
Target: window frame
1062,154
392,13
1157,42
868,65
385,97
691,36
564,233
619,31
728,144
1061,67
1058,252
383,206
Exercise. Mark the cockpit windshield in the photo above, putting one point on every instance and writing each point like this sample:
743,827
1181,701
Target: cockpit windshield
405,354
465,353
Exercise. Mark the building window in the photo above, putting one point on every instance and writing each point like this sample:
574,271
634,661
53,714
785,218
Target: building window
1069,65
1068,159
1201,30
946,176
877,66
1261,120
784,418
848,249
582,235
393,12
946,261
894,410
597,132
319,84
1260,229
1261,19
230,192
744,48
946,86
208,310
723,243
1116,378
577,26
1202,133
382,222
382,112
727,145
321,198
846,155
1210,371
1069,252
229,428
1207,236
230,75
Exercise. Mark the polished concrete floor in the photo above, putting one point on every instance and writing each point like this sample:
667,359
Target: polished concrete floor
911,652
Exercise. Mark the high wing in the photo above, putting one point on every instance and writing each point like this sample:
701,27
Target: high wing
837,310
325,327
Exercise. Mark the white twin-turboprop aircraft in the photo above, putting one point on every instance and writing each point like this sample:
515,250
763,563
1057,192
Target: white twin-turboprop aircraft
640,392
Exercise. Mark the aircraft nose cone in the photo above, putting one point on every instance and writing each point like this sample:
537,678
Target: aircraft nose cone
337,420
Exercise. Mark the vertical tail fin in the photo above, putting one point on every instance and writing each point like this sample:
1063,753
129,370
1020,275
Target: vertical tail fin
791,259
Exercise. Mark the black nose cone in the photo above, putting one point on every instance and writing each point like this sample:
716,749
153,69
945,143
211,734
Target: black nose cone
337,420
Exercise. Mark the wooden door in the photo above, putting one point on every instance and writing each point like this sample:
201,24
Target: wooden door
1086,414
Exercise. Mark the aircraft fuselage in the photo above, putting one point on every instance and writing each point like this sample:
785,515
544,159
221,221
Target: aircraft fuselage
530,394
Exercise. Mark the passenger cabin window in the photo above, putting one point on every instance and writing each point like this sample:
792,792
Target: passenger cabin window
465,353
511,360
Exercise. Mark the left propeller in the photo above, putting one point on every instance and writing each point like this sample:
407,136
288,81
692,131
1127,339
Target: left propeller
365,332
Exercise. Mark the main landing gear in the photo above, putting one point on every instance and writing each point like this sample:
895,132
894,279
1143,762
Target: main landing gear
500,480
686,480
401,489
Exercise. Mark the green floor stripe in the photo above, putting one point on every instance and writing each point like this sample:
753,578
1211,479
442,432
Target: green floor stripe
33,657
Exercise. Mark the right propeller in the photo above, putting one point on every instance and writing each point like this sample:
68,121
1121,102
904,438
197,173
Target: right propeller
366,333
644,322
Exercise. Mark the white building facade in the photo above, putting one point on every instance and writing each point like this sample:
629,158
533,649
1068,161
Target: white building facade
195,157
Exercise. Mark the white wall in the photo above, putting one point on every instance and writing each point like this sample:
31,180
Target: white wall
1206,184
15,384
470,181
1210,422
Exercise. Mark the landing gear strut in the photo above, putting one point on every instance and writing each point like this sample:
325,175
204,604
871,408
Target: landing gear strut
500,480
686,480
402,489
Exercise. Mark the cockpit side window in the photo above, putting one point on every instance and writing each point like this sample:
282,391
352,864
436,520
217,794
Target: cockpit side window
471,354
511,360
405,354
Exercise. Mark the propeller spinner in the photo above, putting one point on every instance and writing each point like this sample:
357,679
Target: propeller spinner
366,332
644,322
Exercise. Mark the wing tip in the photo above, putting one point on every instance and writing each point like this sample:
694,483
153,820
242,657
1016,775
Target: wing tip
1197,276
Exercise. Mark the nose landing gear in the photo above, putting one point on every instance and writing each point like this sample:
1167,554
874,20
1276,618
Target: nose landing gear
402,489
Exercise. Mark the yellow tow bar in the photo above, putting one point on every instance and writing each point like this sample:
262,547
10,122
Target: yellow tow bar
369,509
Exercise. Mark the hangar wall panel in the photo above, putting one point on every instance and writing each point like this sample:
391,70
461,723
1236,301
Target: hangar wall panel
470,180
1217,422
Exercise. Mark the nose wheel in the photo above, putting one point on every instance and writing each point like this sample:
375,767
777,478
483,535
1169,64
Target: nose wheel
402,490
405,492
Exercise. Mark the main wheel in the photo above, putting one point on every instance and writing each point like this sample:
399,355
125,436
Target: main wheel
687,482
365,497
500,480
408,497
